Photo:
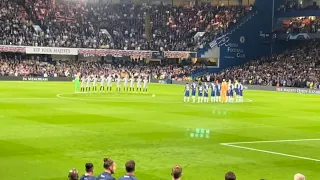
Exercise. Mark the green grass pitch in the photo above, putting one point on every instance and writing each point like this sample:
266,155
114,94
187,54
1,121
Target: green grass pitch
43,136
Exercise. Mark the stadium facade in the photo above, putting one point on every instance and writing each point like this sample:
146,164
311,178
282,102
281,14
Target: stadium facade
253,36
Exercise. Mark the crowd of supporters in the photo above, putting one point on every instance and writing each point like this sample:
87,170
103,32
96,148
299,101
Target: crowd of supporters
116,26
37,66
299,67
309,24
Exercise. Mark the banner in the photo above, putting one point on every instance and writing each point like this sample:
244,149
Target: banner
157,55
52,50
34,79
160,81
20,78
114,52
298,90
176,54
15,49
91,52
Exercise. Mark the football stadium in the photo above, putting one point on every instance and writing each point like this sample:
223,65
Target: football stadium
171,89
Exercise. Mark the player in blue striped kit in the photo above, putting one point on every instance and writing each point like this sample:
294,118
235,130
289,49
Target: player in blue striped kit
218,92
206,92
236,90
230,92
241,88
213,92
200,93
187,93
193,92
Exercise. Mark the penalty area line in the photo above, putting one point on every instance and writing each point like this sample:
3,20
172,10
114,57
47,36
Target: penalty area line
270,152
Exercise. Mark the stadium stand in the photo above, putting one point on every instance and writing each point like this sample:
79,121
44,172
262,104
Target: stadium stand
114,26
300,25
17,66
298,67
123,26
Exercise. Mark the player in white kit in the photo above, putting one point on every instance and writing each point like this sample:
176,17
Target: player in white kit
95,80
139,80
88,85
109,83
132,83
126,83
118,83
145,84
83,83
103,81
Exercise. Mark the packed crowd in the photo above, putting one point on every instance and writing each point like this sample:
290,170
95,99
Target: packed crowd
300,25
116,26
299,67
130,167
38,67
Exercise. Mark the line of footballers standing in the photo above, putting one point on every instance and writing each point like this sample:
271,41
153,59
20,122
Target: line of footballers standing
219,92
110,167
90,83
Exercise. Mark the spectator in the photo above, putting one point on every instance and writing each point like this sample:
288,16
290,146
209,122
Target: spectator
89,172
176,172
297,25
299,177
110,167
114,26
130,169
298,67
230,176
73,174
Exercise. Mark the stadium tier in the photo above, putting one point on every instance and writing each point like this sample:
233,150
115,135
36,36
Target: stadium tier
114,26
135,89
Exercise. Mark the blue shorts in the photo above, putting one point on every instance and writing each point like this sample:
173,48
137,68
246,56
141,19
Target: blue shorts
187,94
236,91
193,93
200,94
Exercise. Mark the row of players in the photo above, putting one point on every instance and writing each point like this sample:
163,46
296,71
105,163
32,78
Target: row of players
92,81
219,92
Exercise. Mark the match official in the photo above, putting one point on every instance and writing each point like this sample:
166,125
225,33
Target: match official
89,172
73,174
130,168
176,172
110,167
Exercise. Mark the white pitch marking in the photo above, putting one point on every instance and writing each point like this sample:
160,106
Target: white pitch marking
271,152
273,141
35,98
